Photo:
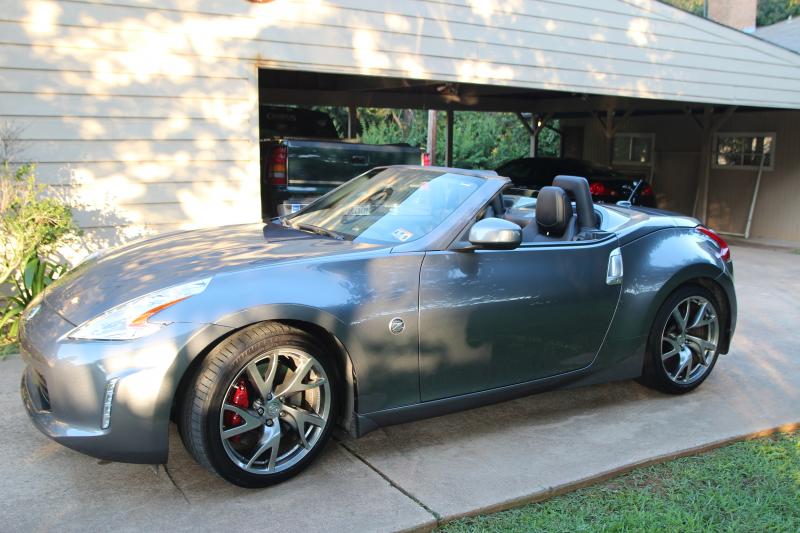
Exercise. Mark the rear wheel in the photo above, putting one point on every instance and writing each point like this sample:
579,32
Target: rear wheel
262,406
683,345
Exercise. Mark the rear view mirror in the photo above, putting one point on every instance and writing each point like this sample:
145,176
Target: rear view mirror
495,234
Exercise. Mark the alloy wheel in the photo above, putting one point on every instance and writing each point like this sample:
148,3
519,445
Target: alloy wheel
689,340
275,411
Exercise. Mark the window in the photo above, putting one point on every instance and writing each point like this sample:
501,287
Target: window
633,148
744,150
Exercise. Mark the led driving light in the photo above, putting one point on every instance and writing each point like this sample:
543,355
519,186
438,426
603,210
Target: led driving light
135,318
107,401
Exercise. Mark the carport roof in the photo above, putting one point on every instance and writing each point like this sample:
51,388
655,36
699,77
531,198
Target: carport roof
609,48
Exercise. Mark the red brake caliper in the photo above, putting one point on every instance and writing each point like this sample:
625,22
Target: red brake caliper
240,398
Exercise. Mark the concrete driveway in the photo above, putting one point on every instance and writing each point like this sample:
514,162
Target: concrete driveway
410,476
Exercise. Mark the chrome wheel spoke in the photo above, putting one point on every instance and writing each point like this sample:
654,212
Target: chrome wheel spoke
685,365
703,344
674,348
269,441
251,421
295,383
298,418
679,318
263,384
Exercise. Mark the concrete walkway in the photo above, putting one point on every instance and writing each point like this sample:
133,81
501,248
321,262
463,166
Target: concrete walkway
410,476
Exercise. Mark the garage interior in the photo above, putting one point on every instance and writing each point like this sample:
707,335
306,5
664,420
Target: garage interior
680,148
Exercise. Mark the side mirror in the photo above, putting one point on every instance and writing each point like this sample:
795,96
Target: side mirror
495,234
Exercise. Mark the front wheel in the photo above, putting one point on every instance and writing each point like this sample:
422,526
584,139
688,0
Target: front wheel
683,345
262,406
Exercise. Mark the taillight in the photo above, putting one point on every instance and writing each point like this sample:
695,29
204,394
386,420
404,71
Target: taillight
426,159
724,250
276,169
646,190
598,188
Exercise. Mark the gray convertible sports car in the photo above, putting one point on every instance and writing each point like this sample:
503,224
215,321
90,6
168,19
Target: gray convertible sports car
405,293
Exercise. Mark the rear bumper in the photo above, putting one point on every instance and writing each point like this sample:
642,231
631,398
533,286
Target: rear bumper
725,280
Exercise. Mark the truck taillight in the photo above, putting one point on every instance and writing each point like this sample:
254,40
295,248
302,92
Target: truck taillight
724,250
276,169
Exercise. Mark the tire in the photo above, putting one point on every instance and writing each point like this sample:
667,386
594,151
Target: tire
678,361
254,441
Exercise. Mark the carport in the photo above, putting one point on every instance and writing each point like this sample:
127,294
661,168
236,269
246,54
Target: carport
595,127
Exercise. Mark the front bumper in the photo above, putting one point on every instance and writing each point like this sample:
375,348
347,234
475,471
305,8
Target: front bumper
64,386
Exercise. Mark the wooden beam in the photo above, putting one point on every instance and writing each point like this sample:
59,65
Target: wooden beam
470,102
528,126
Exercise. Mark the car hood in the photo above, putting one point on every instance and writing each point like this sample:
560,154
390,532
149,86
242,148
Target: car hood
137,269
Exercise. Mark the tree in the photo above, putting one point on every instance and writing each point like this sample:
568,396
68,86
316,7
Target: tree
772,11
692,6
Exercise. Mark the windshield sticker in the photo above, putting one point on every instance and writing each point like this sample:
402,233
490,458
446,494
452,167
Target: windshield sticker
401,234
360,210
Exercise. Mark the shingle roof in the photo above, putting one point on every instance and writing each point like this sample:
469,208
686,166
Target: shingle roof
785,34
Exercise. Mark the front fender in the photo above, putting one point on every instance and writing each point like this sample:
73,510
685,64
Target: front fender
353,299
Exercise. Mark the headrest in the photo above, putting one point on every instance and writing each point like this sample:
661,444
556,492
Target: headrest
553,211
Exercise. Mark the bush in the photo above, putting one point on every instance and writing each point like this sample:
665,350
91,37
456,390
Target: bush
34,223
35,276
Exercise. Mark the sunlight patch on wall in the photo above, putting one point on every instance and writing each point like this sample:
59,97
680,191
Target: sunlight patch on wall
482,72
639,32
43,17
365,46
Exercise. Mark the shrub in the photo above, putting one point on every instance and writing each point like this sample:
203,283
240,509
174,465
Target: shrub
34,223
35,276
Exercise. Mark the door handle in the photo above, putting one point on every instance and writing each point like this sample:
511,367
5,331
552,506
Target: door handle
358,160
614,272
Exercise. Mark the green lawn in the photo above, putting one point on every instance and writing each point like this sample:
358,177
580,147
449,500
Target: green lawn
751,486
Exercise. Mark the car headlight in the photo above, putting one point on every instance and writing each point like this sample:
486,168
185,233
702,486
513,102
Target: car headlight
132,319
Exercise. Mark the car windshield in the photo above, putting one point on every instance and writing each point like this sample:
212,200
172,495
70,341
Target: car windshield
391,206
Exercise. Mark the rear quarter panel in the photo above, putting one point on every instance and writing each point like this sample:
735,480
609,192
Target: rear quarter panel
655,264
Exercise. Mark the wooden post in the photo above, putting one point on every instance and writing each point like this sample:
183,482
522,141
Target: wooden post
431,145
352,121
449,145
710,127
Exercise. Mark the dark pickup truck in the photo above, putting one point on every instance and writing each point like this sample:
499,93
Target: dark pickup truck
303,157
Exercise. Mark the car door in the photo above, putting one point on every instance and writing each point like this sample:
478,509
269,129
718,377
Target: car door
493,318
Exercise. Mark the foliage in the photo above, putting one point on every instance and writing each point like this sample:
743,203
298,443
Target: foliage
747,486
34,223
480,140
769,11
37,274
692,6
30,221
772,11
